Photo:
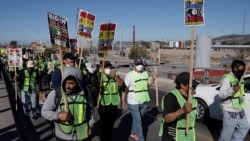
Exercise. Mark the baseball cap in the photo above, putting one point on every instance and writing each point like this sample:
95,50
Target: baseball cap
30,64
106,64
69,56
138,61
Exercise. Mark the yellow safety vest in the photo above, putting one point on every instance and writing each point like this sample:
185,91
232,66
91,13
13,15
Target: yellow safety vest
110,94
141,86
238,99
78,122
29,81
181,134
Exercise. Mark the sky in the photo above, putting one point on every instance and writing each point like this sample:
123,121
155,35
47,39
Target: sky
26,20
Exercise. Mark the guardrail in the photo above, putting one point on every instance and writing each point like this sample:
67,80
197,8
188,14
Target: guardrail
170,71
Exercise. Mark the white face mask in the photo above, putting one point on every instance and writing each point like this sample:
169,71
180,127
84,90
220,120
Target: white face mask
107,71
91,70
139,67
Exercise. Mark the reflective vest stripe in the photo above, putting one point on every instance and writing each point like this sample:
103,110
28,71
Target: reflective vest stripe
110,94
78,123
238,99
29,81
140,90
141,80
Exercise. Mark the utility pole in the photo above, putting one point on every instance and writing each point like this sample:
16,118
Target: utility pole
243,28
133,35
121,49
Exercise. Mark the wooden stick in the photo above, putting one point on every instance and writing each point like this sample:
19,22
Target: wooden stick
80,61
15,87
245,72
102,68
66,105
156,88
191,65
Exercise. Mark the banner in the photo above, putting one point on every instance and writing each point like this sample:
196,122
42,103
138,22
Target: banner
155,53
15,57
73,46
194,12
58,28
106,36
85,24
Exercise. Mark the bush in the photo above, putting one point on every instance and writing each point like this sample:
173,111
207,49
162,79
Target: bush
136,52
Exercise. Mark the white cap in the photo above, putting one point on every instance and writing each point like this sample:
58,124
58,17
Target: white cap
30,64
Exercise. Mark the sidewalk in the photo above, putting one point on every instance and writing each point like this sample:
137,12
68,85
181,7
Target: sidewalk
8,130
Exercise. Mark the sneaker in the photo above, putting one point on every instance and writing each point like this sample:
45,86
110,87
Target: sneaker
134,135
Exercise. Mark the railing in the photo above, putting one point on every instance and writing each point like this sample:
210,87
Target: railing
169,71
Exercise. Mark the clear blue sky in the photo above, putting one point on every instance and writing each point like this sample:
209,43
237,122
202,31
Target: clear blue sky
26,20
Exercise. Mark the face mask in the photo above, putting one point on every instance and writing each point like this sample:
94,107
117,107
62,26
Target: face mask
139,67
107,71
238,73
91,70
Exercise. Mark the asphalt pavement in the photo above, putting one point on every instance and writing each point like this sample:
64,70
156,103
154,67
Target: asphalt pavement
15,126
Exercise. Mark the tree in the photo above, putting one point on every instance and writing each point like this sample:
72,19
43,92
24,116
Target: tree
137,51
13,44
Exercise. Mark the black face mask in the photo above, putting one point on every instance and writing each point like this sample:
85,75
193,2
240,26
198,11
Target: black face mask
238,73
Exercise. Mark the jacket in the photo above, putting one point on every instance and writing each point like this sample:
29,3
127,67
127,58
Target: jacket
50,113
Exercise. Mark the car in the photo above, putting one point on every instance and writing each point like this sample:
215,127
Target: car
209,101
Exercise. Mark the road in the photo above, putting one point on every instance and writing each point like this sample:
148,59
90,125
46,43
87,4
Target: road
41,130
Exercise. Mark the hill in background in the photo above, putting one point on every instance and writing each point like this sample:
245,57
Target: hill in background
233,39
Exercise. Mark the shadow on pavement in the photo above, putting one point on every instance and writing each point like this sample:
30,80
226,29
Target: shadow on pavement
24,125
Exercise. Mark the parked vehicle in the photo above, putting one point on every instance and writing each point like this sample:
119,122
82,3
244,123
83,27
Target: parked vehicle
209,101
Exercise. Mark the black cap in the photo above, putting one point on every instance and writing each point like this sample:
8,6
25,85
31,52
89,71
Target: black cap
138,61
106,64
183,78
69,56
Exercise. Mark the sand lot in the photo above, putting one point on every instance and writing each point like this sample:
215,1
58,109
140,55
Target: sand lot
177,56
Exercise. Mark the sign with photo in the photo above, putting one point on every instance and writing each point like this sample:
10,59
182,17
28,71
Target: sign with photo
86,22
15,57
106,36
155,53
194,12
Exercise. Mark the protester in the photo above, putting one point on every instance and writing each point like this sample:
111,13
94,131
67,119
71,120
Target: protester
1,67
91,80
56,76
42,69
137,82
234,126
29,77
76,124
175,108
109,99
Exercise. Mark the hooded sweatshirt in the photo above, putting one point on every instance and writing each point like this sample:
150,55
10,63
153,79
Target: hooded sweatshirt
50,113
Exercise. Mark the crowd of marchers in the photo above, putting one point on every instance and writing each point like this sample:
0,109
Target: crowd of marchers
80,87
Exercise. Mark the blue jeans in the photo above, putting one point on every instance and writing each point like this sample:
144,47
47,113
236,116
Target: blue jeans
137,111
235,126
26,97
